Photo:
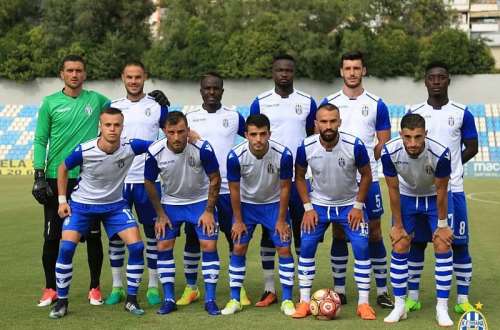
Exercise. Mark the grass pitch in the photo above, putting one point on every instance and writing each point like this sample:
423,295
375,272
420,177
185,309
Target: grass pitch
22,276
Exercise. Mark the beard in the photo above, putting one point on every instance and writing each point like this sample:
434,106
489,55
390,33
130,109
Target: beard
329,135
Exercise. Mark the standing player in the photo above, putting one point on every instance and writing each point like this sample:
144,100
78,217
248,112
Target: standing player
104,163
260,172
65,119
219,126
452,124
144,116
190,179
417,171
366,116
334,158
291,113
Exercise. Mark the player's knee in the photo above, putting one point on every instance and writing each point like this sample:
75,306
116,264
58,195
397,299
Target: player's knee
460,251
338,232
165,245
374,230
208,245
402,246
284,251
441,247
240,249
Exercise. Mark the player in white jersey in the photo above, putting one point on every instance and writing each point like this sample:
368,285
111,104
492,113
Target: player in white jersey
334,159
104,163
291,113
219,125
259,171
366,116
417,171
451,124
190,179
144,117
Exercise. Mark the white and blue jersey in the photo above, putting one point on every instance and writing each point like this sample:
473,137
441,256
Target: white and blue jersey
259,178
333,172
102,175
221,128
290,117
362,116
184,175
142,120
449,125
416,175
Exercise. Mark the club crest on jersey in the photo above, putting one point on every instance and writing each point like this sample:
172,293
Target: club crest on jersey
225,123
270,168
88,110
473,320
364,110
451,121
298,109
120,163
147,112
429,170
342,162
191,161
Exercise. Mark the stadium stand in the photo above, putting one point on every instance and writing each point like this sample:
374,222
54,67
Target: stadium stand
18,122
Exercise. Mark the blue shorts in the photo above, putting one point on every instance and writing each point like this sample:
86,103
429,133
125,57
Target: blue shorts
265,215
460,223
333,214
373,204
188,213
116,217
420,216
135,194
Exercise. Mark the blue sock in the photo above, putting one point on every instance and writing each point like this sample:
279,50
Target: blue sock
399,273
267,255
415,265
339,256
237,268
286,271
64,268
306,268
443,274
210,267
135,267
191,259
378,257
151,253
462,267
166,273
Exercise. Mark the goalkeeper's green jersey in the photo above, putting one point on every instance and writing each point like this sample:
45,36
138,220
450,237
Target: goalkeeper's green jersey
63,123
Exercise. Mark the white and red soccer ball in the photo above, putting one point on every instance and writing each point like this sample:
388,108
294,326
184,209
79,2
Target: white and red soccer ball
325,304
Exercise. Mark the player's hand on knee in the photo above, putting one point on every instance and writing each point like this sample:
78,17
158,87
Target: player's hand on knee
161,221
443,235
237,230
41,189
355,217
160,98
283,230
64,210
207,222
398,234
309,221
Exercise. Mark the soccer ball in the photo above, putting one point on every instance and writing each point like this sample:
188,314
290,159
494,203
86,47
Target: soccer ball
325,304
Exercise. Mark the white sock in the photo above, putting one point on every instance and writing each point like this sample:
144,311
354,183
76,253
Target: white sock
305,295
269,280
413,294
363,297
153,278
442,303
381,291
116,272
339,289
399,301
462,298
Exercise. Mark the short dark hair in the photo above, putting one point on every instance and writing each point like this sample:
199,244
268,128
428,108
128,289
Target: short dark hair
287,57
212,74
328,107
436,64
134,63
412,121
258,120
351,56
112,111
72,58
174,117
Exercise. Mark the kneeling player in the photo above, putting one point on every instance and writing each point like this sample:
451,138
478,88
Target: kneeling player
334,158
189,173
104,163
259,173
417,171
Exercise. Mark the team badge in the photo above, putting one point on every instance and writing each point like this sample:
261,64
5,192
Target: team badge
472,320
341,162
298,109
451,121
364,110
88,110
429,170
147,112
121,163
225,123
191,161
270,168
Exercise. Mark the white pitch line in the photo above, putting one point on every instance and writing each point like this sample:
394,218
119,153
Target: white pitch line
472,198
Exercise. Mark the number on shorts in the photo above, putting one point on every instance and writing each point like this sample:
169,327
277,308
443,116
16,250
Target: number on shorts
461,229
378,202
